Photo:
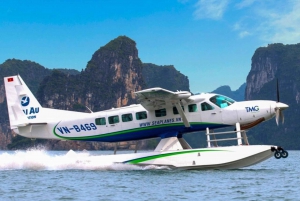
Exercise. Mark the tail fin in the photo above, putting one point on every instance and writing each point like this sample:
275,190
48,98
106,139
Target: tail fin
23,107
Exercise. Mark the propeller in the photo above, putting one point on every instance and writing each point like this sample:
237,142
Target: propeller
279,107
279,115
277,91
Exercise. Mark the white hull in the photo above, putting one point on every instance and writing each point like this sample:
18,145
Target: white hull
231,157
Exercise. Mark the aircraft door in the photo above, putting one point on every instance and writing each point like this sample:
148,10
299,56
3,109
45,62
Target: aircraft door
211,113
229,115
127,120
114,122
224,112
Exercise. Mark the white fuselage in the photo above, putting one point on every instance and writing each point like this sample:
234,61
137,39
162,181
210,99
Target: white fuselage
156,123
162,113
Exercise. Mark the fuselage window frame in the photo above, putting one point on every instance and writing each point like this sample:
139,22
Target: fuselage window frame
100,121
192,108
126,117
206,107
113,119
141,115
161,112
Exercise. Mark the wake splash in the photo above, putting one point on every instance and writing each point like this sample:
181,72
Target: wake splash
39,159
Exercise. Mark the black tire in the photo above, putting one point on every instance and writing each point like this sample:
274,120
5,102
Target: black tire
284,154
277,155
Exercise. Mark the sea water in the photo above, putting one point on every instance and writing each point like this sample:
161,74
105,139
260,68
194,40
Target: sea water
38,174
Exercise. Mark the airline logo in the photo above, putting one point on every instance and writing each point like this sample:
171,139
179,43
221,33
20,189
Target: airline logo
25,101
252,109
30,112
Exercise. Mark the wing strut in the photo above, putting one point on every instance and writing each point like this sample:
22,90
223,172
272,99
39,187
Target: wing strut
182,115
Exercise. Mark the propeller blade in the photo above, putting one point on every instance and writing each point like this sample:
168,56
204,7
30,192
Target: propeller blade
279,106
279,112
277,90
277,115
282,117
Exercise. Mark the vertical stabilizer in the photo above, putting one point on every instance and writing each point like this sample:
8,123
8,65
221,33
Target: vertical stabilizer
23,107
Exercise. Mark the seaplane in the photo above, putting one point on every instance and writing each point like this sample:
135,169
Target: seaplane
161,114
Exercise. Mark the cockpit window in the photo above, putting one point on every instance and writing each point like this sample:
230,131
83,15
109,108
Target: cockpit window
205,106
221,101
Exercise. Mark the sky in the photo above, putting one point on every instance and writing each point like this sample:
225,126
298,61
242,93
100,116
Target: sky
210,41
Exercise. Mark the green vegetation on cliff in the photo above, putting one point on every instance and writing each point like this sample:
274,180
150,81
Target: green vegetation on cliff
32,73
166,77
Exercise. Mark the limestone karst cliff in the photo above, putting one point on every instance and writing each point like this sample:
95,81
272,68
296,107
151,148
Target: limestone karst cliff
109,80
282,62
115,71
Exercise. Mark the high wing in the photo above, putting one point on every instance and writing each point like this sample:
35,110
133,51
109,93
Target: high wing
158,98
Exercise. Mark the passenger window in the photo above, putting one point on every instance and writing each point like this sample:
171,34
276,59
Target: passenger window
141,115
160,113
113,119
205,106
100,121
126,117
175,111
192,108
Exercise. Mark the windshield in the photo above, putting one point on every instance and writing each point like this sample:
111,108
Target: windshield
221,101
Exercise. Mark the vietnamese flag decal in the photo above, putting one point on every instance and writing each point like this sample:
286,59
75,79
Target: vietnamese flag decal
11,79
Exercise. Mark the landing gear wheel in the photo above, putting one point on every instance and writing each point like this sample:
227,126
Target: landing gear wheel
284,154
277,154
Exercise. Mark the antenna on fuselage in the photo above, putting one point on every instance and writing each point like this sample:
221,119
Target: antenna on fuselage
89,109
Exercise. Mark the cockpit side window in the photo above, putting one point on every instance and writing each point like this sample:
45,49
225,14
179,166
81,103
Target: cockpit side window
192,108
221,101
205,106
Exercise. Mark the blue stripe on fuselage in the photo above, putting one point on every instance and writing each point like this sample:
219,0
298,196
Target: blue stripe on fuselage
155,132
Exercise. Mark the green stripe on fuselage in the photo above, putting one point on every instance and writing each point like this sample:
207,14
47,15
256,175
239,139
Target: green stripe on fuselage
125,131
147,158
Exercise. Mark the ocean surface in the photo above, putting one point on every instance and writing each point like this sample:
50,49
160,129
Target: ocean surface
79,175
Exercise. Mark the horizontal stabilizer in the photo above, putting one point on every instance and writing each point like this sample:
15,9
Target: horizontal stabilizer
25,129
21,120
30,124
